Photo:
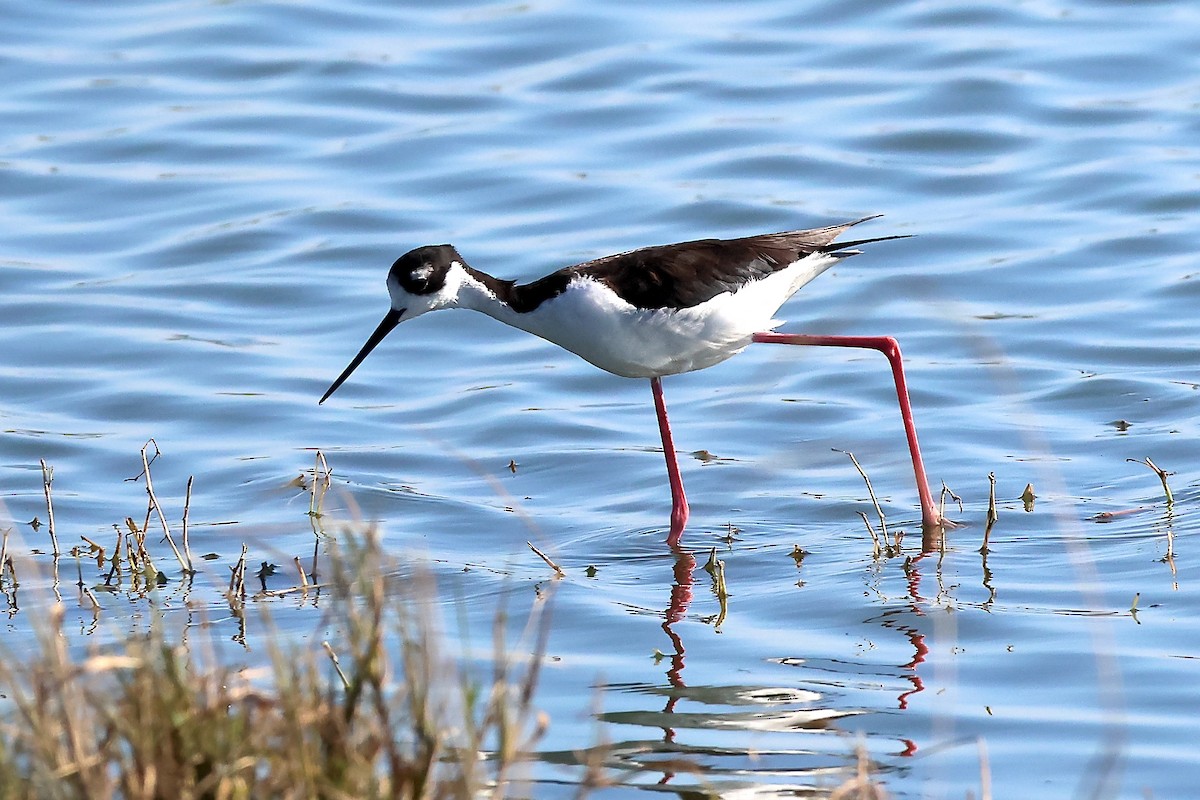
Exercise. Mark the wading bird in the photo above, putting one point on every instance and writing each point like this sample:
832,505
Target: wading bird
651,312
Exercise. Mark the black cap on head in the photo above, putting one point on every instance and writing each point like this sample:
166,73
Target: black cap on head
423,271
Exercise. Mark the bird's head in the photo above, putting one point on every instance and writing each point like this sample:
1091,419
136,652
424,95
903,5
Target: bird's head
425,279
419,281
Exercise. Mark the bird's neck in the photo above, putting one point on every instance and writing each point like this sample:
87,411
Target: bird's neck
513,304
490,295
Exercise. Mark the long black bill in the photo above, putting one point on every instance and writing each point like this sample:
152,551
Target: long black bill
391,320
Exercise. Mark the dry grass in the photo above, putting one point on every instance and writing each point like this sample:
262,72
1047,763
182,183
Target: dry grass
378,713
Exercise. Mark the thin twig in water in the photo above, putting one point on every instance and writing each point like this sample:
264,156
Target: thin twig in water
1162,476
96,607
290,590
322,477
154,505
947,492
992,516
558,572
721,590
303,574
187,549
870,491
870,530
136,551
237,582
116,557
47,479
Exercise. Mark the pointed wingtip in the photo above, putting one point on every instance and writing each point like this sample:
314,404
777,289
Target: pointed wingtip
863,219
843,248
847,248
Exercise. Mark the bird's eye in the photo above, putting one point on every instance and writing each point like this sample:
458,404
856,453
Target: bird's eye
421,275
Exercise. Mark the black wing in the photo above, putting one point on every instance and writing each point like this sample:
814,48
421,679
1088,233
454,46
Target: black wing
689,273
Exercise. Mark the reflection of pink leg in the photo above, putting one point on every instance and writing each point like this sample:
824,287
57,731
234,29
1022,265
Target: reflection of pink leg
681,598
679,505
890,348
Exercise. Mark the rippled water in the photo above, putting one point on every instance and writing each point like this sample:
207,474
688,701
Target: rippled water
199,203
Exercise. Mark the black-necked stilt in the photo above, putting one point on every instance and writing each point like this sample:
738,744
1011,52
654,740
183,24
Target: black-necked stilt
650,312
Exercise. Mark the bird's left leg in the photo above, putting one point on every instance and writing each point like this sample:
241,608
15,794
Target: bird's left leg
930,518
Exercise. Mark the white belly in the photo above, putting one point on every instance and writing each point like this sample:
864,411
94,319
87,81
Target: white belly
591,321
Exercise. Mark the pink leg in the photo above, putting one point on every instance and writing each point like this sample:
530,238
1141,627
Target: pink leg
679,505
890,348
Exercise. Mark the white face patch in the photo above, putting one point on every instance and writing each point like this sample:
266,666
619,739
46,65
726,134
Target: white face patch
423,272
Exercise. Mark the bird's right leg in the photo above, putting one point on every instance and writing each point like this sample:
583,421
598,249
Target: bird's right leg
679,504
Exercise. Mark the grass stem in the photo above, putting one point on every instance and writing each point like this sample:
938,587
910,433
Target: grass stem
47,479
558,571
870,491
1162,476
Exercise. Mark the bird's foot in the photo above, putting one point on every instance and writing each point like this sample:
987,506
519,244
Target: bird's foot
679,518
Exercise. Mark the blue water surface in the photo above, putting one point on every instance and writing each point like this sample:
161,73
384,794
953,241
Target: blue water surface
200,201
